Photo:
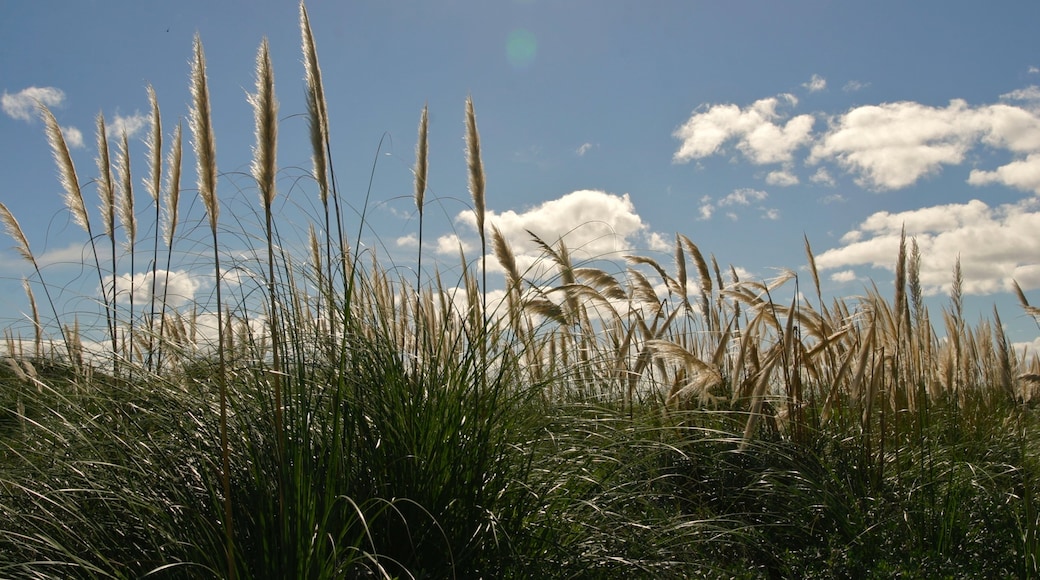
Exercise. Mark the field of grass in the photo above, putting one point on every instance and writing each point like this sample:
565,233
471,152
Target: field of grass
336,419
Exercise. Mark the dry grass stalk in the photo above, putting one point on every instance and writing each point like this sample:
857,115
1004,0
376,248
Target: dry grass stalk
206,169
265,113
37,324
154,140
173,188
316,108
422,147
106,184
126,199
66,169
475,166
203,140
15,231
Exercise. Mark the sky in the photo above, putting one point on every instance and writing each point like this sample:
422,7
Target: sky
746,126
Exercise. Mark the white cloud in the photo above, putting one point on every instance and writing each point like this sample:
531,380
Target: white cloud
770,214
758,135
894,144
180,287
995,245
843,276
584,148
1021,174
409,241
22,105
822,176
743,196
816,83
593,224
449,244
1034,70
886,146
1030,93
853,86
73,137
131,124
706,209
781,178
833,198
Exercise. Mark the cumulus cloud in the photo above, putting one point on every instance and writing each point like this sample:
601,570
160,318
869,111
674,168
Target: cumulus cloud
844,276
884,146
994,244
22,105
583,149
893,145
409,241
755,129
131,124
782,178
593,224
816,83
1021,174
73,137
449,245
178,286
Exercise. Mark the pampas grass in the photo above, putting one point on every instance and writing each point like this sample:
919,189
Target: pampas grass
595,423
206,170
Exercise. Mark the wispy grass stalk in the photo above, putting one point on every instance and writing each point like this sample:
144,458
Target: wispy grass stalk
153,184
170,225
206,169
15,231
129,222
107,195
264,168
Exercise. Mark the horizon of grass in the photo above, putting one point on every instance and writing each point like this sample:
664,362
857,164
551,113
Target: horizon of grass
334,419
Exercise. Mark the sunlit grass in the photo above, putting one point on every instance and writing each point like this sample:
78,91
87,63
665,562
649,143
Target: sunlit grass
332,419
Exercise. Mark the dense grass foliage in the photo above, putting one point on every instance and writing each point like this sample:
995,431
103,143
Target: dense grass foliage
332,419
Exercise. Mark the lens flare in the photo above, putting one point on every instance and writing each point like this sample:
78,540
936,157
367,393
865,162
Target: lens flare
521,48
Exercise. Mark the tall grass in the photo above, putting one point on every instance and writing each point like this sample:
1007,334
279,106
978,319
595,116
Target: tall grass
642,419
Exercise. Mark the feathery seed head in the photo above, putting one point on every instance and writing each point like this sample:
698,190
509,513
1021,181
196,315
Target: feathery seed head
126,204
202,135
106,188
476,166
265,112
154,148
15,231
316,109
173,194
66,170
421,159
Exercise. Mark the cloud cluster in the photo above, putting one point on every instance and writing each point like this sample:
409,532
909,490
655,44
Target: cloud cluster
744,197
22,106
995,245
755,129
884,147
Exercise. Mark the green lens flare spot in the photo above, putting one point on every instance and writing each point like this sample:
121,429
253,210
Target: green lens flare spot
521,48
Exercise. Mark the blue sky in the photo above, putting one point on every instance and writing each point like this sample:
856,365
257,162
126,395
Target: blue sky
742,125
